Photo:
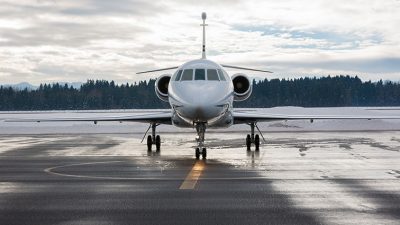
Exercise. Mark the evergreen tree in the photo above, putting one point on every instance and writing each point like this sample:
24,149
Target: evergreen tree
307,92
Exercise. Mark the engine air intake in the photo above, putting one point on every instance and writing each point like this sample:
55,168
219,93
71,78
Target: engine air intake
241,86
161,87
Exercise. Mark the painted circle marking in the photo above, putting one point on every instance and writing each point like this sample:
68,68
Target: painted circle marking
51,171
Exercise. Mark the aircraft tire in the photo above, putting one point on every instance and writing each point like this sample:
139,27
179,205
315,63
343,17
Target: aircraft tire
248,142
204,153
158,143
149,143
257,142
197,153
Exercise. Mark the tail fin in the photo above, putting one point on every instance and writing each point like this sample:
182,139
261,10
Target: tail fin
204,17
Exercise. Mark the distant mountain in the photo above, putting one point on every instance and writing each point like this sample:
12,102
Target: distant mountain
23,85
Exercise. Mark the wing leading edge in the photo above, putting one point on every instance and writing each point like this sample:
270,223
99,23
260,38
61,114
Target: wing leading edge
248,117
161,118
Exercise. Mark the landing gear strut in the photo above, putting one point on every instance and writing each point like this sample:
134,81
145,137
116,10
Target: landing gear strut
253,139
153,139
200,149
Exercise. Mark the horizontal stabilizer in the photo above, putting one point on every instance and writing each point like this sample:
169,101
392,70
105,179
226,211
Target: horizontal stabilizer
149,71
244,68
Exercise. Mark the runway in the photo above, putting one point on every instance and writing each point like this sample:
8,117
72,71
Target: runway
296,178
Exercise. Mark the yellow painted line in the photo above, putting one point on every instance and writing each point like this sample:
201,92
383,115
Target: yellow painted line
194,175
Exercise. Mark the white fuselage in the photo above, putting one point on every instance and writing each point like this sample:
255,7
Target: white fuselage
200,91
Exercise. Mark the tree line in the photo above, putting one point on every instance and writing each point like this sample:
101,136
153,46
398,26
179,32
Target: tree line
308,92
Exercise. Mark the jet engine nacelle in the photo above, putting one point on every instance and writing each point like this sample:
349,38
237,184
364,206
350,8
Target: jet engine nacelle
161,87
242,87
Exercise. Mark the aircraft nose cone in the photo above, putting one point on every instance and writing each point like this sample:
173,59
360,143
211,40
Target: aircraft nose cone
198,110
202,102
201,112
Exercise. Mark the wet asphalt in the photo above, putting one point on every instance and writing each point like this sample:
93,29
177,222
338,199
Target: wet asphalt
296,178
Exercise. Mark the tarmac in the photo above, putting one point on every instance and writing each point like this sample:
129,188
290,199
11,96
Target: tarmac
296,178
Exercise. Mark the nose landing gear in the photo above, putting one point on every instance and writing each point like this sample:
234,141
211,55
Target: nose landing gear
201,149
203,153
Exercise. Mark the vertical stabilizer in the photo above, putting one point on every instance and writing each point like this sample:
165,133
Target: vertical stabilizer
203,51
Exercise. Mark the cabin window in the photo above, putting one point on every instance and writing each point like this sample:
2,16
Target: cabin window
178,75
187,75
212,74
200,74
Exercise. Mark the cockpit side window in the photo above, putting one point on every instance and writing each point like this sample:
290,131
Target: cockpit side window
178,75
200,74
212,74
187,75
225,73
221,75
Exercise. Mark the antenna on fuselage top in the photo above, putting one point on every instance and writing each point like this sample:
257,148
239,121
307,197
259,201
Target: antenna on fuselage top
203,52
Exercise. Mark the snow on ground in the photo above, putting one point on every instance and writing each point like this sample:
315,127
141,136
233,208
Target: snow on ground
133,127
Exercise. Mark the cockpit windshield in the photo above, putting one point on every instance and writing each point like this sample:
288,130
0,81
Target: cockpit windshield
212,74
187,75
221,75
200,74
178,75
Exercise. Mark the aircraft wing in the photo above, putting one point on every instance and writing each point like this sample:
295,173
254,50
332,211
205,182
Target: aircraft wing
162,117
256,115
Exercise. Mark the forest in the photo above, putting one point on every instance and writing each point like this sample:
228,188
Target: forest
307,92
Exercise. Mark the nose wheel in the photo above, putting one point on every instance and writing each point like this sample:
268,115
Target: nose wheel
200,150
203,153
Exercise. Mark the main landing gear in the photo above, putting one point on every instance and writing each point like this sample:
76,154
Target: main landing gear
253,139
200,149
153,139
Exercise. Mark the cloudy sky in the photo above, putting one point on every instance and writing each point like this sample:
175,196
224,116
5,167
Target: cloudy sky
66,40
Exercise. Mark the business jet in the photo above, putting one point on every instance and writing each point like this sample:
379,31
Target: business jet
201,95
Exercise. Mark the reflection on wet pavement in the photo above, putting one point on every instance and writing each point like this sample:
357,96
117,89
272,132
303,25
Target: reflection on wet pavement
296,178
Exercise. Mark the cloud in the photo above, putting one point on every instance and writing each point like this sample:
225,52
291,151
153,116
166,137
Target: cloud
68,34
62,40
106,7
